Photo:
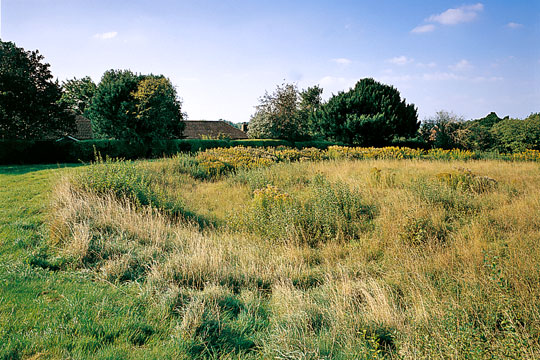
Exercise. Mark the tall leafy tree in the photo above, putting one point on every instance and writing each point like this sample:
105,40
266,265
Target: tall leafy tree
371,113
158,110
112,110
445,130
77,94
513,135
310,103
479,135
29,97
278,115
138,108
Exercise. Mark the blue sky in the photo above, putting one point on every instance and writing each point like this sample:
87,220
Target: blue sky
467,57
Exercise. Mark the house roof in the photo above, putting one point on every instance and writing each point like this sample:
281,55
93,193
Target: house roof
83,129
197,129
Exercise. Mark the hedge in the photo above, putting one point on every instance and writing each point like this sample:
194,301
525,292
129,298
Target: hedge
50,152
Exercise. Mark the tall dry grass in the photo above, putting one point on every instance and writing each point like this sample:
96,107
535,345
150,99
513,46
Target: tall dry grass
441,270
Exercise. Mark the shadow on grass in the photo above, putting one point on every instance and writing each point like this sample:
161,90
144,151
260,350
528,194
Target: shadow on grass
25,169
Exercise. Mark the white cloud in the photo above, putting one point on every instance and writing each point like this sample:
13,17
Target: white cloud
106,35
461,14
400,60
423,29
342,61
461,65
446,76
513,25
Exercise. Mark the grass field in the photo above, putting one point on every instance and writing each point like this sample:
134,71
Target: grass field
190,257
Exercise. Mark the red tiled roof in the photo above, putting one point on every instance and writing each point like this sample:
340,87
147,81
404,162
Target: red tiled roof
83,128
82,131
198,129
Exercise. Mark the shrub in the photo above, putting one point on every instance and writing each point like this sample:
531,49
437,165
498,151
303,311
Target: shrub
456,201
215,163
271,213
420,231
331,211
124,179
383,179
465,180
392,152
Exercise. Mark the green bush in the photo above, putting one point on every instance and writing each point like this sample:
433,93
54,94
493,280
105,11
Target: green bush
465,180
124,179
422,231
330,211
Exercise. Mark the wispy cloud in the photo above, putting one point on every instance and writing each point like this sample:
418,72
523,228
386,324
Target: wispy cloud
458,15
446,76
106,35
461,65
400,60
342,61
421,29
462,14
513,25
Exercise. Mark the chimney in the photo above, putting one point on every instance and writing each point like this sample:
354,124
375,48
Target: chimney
244,127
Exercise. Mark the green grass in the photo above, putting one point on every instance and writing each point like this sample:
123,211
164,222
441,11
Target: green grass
60,314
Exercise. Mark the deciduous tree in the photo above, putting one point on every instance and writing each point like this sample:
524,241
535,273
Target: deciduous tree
77,94
138,108
29,97
513,135
112,110
277,116
445,130
158,111
310,103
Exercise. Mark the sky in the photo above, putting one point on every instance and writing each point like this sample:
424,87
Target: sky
470,58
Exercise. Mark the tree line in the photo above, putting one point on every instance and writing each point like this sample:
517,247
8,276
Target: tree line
142,108
370,114
373,114
124,105
490,133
